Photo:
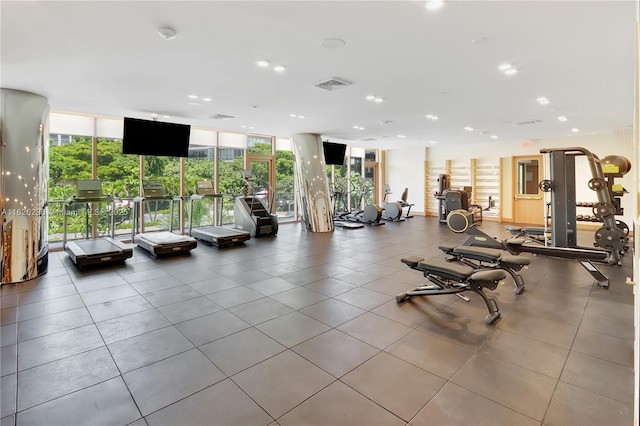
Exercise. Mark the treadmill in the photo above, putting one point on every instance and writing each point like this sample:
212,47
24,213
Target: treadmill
216,235
159,243
93,252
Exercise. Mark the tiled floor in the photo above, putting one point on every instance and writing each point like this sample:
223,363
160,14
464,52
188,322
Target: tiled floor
303,328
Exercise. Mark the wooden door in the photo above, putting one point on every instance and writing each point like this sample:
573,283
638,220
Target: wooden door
528,204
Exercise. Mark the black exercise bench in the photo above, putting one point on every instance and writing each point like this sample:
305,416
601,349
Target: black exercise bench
449,278
481,258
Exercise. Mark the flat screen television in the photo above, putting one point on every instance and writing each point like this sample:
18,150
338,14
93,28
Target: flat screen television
147,137
334,153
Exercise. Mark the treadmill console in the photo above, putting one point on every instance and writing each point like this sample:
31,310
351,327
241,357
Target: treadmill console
153,189
205,187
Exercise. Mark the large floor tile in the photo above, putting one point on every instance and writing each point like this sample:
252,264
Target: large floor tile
292,328
157,284
260,310
604,346
431,353
332,312
412,386
335,352
456,406
59,345
126,326
221,404
165,382
330,287
338,404
271,286
296,378
54,323
600,377
138,351
298,297
95,297
375,330
241,350
49,381
211,327
572,405
189,309
117,308
363,298
514,387
8,360
213,285
234,296
526,352
555,332
105,403
48,307
9,390
171,295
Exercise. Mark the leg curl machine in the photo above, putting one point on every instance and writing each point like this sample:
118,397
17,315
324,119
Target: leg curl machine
450,278
484,258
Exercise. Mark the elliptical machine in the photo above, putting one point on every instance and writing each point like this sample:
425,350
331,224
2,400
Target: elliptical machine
391,210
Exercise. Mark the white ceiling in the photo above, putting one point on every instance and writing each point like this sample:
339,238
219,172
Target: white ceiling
107,58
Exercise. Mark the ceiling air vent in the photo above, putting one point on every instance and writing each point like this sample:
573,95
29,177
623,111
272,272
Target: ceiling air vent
368,139
222,117
332,84
524,123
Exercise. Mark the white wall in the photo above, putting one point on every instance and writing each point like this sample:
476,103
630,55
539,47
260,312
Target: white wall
405,169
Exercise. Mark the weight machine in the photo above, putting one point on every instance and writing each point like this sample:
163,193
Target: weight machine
612,236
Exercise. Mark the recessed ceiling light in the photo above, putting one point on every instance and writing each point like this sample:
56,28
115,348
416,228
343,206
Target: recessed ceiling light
433,142
193,96
504,67
543,100
434,4
562,118
153,114
575,130
279,68
402,136
370,97
494,137
251,127
469,129
510,71
243,127
356,127
433,116
301,116
478,40
166,116
207,99
262,64
293,115
378,100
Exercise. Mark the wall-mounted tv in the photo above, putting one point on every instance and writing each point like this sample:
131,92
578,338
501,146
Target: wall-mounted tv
334,153
147,137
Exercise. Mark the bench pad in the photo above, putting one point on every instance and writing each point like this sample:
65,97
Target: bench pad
412,261
478,253
515,260
489,275
446,269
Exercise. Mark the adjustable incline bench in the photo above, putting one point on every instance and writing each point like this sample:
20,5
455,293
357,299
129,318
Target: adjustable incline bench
448,278
531,233
483,258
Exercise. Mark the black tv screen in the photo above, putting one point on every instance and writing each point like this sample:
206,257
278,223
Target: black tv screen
334,153
147,137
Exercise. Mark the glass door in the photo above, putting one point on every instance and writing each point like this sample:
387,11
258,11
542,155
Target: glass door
263,180
371,177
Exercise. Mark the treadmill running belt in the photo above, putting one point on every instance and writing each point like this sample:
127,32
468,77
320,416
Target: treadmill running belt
91,247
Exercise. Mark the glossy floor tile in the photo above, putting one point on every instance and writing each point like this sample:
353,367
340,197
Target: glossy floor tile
303,328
